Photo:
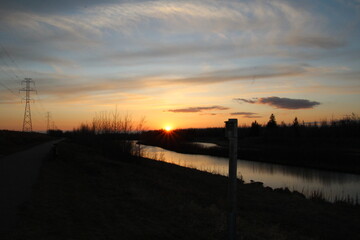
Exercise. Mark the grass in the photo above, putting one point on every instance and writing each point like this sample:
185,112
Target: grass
82,195
12,141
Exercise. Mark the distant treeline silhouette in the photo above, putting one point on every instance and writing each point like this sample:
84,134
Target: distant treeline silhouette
330,145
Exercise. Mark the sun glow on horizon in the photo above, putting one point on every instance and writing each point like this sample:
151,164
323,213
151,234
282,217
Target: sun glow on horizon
168,128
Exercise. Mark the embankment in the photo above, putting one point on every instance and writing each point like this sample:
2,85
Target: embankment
82,195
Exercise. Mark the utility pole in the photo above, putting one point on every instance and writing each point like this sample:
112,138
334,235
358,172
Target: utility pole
27,124
231,133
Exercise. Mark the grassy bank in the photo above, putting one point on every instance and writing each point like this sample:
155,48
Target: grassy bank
82,195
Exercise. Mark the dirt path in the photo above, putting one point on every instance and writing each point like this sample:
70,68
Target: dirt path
18,173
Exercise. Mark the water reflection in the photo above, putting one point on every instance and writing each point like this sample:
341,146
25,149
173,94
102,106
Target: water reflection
310,175
332,184
207,145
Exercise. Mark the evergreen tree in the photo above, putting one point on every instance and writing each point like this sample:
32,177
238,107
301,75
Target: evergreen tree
295,123
255,128
272,122
296,126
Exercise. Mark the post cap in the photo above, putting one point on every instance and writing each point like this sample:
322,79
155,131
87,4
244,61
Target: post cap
231,128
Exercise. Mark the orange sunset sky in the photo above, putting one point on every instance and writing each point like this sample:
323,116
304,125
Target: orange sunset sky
180,63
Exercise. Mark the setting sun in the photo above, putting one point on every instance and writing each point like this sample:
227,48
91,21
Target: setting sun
168,128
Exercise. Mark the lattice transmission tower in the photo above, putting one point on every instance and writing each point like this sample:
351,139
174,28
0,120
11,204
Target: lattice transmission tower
27,124
48,117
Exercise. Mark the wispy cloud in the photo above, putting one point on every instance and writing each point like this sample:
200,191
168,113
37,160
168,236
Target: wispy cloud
316,41
284,103
277,22
143,54
246,114
65,84
69,84
262,72
208,114
30,55
197,109
254,100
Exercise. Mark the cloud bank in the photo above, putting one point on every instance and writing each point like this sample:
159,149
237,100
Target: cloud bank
283,103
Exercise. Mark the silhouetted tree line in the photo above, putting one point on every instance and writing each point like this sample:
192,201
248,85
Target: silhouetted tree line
327,144
347,127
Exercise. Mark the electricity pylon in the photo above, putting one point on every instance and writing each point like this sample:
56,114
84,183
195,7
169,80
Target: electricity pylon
48,117
27,124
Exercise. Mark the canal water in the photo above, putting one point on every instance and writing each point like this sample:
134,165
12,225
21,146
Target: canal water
333,185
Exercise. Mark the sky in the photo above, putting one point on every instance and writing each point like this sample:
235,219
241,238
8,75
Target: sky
186,64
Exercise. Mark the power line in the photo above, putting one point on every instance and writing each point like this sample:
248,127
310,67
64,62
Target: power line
11,59
10,70
39,100
9,89
6,72
4,85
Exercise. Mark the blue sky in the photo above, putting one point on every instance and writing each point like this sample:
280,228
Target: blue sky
181,63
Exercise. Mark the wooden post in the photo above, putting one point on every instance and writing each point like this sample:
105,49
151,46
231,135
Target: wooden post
231,133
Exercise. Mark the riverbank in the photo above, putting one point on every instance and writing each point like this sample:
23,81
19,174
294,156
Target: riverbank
82,195
334,147
322,158
331,185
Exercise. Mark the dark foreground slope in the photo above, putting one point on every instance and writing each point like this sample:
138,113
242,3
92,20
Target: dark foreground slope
81,195
13,141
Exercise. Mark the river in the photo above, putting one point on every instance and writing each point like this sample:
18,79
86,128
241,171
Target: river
332,185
